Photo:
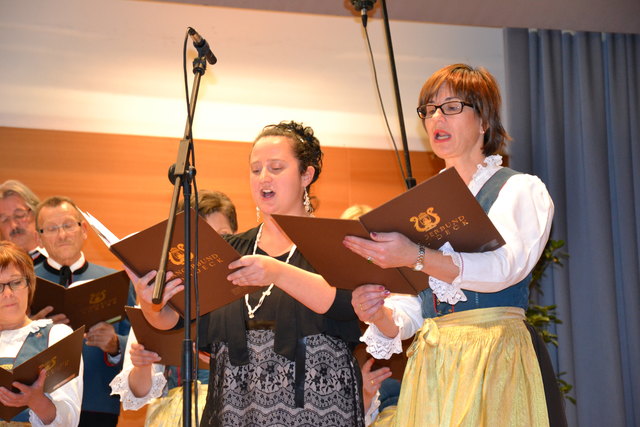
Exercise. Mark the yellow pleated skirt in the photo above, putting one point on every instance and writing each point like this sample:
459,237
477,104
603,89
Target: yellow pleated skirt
167,411
471,368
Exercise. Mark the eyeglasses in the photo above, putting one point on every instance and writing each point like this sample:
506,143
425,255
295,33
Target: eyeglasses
448,108
18,216
14,284
68,227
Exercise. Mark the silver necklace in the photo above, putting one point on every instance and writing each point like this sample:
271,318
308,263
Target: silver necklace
252,311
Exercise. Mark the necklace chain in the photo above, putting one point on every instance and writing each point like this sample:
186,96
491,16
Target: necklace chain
252,311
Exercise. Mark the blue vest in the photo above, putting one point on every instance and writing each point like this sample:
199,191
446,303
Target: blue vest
32,345
514,296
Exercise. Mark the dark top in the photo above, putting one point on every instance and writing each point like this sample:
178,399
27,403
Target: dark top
292,319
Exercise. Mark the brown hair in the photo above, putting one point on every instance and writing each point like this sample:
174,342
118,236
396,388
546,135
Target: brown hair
210,201
12,254
55,201
480,89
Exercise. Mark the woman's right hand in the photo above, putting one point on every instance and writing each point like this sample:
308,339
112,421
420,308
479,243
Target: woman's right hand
161,316
145,285
368,302
141,357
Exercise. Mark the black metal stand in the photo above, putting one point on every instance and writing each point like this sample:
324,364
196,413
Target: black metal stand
363,6
183,174
410,181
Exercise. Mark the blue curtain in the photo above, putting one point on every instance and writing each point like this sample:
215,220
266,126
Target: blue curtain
574,115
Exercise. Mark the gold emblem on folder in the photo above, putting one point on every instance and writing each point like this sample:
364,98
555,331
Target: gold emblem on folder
50,364
98,297
426,220
176,255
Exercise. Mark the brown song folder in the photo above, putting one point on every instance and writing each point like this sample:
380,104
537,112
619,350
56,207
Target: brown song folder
88,303
440,209
320,241
61,360
141,253
168,344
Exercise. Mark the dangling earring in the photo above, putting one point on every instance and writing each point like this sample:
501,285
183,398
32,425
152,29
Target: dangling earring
257,214
307,203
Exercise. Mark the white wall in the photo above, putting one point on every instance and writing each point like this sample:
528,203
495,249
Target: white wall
115,66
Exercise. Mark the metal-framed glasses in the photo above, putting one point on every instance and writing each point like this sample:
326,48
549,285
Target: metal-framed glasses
68,227
19,215
15,284
448,108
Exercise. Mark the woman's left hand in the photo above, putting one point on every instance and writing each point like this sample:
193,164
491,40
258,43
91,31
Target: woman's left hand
386,250
254,270
371,381
27,394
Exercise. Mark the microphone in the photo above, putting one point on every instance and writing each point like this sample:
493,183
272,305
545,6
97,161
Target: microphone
202,46
363,6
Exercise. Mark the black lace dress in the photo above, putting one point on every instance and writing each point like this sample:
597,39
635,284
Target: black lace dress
286,367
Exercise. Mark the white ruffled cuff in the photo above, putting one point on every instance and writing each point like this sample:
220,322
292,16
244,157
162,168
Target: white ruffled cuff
120,385
378,344
449,292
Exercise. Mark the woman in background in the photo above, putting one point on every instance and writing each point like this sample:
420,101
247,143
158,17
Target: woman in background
21,339
144,379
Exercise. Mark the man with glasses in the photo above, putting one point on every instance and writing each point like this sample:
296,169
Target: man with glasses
17,219
63,231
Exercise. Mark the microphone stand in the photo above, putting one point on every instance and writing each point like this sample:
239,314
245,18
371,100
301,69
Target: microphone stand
410,181
182,176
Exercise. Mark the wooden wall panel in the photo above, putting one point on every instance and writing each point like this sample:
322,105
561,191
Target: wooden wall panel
122,179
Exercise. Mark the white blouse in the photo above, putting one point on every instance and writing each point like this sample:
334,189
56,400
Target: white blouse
120,383
68,398
522,213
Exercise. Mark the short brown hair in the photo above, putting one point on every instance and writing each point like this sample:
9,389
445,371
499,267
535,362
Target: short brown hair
55,201
210,201
477,87
12,254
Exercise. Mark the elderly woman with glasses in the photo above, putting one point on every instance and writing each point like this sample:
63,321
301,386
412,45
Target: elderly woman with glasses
472,361
21,338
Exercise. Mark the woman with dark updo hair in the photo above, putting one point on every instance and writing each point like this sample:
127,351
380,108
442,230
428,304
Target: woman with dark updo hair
282,355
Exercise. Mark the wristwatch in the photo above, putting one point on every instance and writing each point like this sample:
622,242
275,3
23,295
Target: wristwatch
419,263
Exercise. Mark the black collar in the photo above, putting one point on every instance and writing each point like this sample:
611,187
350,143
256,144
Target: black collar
55,271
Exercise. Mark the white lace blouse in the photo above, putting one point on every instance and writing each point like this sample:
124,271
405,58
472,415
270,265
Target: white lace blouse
522,213
68,397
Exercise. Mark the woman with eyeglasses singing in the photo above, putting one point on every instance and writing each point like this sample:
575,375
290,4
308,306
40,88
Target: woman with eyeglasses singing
472,361
21,339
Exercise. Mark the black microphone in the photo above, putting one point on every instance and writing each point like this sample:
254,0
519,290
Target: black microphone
202,46
363,6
